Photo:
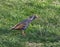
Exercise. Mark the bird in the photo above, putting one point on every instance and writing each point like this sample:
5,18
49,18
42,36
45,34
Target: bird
24,24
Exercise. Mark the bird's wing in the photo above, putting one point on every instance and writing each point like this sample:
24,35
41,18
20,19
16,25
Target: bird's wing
19,26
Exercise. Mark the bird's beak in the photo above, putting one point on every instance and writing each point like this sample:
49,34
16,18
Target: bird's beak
37,17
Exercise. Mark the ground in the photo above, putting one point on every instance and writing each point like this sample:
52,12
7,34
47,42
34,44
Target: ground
42,32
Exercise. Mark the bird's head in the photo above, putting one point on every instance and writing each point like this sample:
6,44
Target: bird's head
33,17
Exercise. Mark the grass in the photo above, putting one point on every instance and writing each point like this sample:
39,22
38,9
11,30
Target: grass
45,30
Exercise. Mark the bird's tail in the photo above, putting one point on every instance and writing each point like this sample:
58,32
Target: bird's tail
12,28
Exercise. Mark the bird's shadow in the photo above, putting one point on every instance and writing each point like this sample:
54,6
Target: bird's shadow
6,31
9,32
31,37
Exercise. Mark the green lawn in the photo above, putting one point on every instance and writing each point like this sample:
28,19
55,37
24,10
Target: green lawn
42,32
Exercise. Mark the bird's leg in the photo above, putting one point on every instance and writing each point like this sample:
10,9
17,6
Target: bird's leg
23,33
17,32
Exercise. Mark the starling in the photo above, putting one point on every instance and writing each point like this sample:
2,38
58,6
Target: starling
24,24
